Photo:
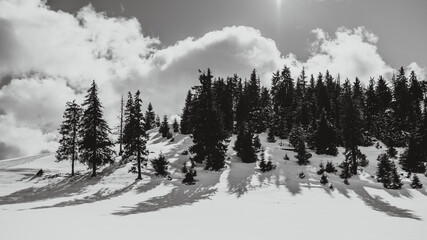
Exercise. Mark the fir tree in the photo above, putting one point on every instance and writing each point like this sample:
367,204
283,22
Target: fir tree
270,136
395,183
69,130
265,165
302,154
164,127
244,145
384,168
208,132
296,134
150,118
256,143
157,121
160,165
324,179
186,116
321,169
345,172
324,137
128,131
175,126
412,160
189,174
416,183
330,168
140,137
95,146
387,173
351,130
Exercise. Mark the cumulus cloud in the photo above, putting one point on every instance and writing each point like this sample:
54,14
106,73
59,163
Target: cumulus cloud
49,57
351,53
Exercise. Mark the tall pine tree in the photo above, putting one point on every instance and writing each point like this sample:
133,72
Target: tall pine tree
69,130
208,133
95,146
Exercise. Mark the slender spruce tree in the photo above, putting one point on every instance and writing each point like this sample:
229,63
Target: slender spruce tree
69,130
164,127
186,116
150,118
95,146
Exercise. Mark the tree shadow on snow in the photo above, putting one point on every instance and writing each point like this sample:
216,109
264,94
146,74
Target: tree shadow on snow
180,195
67,187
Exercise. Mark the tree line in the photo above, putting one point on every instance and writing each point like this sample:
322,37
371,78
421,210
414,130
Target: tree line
319,113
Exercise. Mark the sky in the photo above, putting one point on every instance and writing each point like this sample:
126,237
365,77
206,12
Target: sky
50,51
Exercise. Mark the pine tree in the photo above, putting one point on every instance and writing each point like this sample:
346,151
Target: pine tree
244,145
330,168
208,132
384,168
387,173
395,183
186,116
302,155
128,130
69,130
265,165
160,165
351,130
175,126
324,137
296,134
402,101
150,118
416,183
95,146
140,136
164,127
157,121
412,160
189,174
270,136
371,109
324,179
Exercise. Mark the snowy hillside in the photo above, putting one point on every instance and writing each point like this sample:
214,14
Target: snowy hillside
240,202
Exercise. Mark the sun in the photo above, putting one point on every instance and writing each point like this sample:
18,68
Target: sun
278,3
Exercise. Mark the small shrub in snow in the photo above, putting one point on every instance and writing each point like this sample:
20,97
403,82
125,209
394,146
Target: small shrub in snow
286,157
185,152
416,182
346,182
160,165
321,169
190,173
256,143
324,179
392,152
265,165
301,175
330,168
270,137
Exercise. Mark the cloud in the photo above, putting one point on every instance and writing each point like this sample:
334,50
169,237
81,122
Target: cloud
49,57
350,53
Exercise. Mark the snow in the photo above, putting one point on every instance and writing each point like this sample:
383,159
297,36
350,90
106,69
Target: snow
238,202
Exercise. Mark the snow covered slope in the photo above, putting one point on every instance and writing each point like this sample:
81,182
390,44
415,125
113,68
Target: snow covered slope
238,202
